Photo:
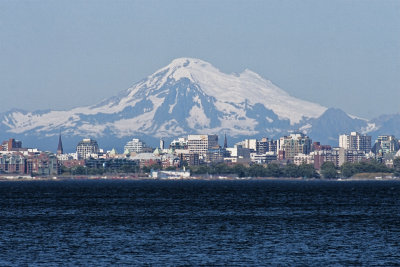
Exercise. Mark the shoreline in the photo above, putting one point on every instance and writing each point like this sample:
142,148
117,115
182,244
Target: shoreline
4,178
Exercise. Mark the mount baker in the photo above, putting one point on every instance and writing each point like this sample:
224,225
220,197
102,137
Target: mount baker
187,96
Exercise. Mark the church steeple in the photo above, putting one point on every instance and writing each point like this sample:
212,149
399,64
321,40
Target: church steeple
60,149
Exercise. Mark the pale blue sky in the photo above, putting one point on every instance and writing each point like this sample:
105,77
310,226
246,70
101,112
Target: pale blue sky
63,54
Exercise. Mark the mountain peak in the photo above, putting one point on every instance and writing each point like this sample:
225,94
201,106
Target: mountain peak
186,61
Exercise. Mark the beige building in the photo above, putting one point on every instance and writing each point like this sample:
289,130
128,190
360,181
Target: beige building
293,145
199,144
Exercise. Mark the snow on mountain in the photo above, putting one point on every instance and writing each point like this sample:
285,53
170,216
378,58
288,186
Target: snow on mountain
248,85
188,95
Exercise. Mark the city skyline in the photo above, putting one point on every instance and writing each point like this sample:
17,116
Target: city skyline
315,51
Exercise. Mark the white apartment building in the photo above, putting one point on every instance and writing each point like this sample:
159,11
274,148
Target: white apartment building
249,143
135,145
87,147
355,141
303,159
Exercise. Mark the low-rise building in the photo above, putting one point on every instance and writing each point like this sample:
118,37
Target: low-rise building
170,174
265,158
351,155
303,159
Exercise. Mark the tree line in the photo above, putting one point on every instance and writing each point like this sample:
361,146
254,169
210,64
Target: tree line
328,169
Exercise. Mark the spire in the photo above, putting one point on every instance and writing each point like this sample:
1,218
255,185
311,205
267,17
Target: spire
225,142
60,149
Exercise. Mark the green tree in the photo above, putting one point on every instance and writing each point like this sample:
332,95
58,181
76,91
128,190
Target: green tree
222,168
257,170
308,171
79,170
291,170
202,169
240,170
65,170
347,169
328,170
274,170
396,166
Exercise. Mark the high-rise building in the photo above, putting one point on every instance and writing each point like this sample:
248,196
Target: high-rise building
136,145
355,141
199,143
386,144
86,147
265,145
294,144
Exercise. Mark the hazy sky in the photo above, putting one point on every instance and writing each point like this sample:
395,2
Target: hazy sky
63,54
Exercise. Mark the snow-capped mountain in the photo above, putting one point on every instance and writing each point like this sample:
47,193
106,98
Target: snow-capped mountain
187,96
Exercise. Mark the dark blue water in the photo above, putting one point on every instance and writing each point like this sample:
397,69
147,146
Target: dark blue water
200,223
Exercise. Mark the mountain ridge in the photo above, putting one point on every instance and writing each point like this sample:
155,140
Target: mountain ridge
187,96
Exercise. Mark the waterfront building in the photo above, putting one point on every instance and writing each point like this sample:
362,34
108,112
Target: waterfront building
170,174
111,164
12,163
39,163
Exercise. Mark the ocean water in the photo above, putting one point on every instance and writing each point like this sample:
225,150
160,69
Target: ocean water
163,223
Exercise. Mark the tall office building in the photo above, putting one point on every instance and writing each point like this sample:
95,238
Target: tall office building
200,144
294,144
